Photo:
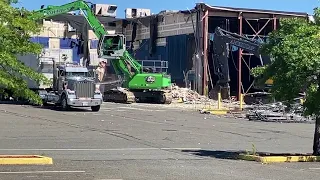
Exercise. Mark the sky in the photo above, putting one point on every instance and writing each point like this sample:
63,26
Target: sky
157,6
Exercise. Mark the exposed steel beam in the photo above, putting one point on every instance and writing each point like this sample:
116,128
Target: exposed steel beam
257,33
205,21
240,18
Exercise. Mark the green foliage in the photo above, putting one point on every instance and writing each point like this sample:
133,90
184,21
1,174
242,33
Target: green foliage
295,50
15,33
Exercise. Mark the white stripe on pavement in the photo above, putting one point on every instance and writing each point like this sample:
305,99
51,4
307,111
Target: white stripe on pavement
117,149
38,172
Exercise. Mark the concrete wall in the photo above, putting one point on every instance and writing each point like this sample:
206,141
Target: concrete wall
58,35
173,24
59,30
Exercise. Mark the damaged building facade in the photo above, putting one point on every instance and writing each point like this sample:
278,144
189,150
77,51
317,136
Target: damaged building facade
164,42
180,42
70,35
176,42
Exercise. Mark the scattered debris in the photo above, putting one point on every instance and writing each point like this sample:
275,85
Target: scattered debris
277,112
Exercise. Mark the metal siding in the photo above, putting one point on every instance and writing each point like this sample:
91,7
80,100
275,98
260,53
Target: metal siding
76,56
142,53
65,43
177,56
44,41
175,52
94,44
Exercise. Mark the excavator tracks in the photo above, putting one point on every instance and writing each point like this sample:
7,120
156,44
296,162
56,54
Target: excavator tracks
154,97
119,96
128,97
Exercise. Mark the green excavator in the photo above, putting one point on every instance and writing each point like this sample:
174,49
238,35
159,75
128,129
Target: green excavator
137,83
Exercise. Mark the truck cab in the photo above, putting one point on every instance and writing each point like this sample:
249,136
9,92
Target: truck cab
74,87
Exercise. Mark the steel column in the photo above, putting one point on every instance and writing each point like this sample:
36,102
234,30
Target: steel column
274,22
240,59
197,56
205,52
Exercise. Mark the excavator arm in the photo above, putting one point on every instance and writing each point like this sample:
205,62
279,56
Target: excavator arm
81,5
111,47
221,50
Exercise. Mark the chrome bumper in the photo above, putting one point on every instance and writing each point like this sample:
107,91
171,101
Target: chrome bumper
84,102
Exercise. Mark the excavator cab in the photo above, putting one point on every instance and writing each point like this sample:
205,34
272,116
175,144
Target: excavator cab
111,46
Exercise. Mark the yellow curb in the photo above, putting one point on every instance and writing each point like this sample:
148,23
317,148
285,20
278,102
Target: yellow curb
279,159
24,159
218,112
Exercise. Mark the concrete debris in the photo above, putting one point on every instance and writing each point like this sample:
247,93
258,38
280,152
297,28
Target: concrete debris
188,96
277,112
188,99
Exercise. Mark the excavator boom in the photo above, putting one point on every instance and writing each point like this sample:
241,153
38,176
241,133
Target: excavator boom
106,42
81,5
222,39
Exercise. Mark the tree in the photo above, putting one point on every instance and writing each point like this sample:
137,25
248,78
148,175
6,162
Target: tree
15,33
295,50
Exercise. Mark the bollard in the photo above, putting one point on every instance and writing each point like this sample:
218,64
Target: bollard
219,100
241,102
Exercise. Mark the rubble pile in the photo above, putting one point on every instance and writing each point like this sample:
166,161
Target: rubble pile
189,99
188,95
277,112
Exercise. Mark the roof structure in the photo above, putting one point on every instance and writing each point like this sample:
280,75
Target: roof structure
232,12
257,11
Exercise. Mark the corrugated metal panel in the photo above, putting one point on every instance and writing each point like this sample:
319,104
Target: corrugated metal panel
65,43
44,41
177,52
94,44
76,56
142,53
31,61
177,56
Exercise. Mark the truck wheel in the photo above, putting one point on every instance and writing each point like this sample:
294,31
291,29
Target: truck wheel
44,103
64,104
95,108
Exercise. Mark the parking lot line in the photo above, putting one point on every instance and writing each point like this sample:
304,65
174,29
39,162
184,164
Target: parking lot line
39,172
116,149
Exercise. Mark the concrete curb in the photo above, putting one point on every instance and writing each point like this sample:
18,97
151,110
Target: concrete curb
25,160
279,158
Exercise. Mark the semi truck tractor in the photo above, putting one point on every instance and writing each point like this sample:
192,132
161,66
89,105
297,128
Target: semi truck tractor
72,86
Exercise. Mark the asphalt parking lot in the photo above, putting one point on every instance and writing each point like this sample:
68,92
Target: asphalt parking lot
141,141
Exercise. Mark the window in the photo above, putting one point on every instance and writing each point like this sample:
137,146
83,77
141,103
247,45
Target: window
111,44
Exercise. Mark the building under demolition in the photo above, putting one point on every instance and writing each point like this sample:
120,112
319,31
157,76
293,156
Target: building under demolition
178,42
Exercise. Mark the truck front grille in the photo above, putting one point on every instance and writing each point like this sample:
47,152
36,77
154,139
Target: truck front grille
84,89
